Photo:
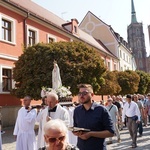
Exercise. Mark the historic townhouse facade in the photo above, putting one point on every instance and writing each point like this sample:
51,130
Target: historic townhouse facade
112,40
23,23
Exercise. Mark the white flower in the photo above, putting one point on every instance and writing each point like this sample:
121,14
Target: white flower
62,91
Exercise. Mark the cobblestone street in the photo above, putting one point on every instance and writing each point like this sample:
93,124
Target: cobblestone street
142,142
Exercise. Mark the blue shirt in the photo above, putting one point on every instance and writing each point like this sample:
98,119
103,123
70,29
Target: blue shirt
96,118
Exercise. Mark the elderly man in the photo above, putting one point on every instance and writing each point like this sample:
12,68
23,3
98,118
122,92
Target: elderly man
113,110
53,111
55,134
94,117
132,114
24,127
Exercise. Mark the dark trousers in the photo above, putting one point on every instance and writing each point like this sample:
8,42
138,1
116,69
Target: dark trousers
149,118
132,127
140,127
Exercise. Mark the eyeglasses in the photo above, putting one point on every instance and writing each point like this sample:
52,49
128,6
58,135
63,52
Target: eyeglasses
83,93
53,140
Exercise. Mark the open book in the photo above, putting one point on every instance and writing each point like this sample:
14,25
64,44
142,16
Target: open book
77,129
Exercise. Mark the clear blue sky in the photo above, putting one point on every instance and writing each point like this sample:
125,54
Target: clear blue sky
116,13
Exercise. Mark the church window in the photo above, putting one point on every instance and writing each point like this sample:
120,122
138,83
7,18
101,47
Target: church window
140,64
137,31
140,54
135,44
139,43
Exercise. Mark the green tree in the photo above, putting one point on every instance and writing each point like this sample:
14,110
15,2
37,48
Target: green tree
128,81
77,62
110,86
144,81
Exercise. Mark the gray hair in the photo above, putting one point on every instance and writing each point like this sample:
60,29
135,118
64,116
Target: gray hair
28,97
55,124
52,95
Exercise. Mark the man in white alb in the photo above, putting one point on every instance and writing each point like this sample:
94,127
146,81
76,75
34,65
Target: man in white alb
132,114
24,127
53,111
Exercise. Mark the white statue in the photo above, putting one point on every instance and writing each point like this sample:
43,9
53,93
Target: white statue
56,79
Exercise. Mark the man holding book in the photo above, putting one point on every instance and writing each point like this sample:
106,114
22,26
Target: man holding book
94,117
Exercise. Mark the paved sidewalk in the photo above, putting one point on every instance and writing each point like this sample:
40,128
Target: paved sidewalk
142,142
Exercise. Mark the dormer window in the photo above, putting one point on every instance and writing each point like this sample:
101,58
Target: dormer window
75,29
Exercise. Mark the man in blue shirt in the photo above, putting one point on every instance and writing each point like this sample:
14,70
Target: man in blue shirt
93,116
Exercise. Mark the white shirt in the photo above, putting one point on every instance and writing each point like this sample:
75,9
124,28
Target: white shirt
130,110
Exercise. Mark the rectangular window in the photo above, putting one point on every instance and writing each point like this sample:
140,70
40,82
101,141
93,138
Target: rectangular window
6,80
6,30
115,67
120,54
108,65
31,37
124,56
75,29
51,40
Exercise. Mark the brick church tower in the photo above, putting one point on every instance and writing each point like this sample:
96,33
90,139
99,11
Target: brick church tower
136,40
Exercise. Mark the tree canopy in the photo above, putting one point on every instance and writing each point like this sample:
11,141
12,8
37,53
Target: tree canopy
144,81
110,86
129,81
77,62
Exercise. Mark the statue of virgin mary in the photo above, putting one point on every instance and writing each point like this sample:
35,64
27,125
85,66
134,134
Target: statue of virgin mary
56,79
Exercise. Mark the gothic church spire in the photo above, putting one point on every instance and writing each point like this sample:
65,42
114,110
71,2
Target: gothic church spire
133,13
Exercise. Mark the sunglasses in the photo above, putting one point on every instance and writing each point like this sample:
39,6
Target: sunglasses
83,93
53,140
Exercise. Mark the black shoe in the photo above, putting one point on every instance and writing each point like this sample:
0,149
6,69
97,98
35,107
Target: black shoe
134,146
140,135
109,142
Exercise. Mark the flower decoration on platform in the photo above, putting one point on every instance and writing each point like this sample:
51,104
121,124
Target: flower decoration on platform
62,91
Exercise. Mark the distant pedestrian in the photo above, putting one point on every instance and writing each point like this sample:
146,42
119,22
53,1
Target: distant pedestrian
113,110
144,101
147,108
24,127
132,114
141,108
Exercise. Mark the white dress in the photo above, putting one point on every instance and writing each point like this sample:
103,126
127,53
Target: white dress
24,129
61,113
72,137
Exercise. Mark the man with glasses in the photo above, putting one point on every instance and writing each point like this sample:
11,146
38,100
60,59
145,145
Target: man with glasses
55,134
92,116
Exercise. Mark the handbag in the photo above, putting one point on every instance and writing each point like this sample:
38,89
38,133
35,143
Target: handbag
135,118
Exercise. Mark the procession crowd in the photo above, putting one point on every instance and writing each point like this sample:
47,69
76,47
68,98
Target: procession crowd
91,122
